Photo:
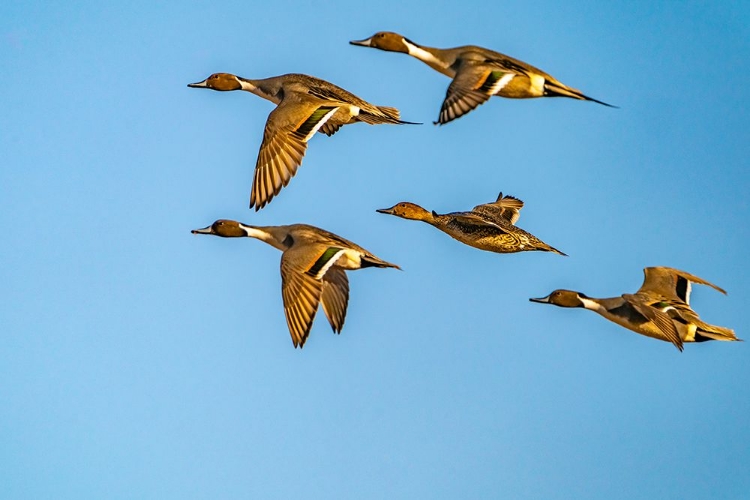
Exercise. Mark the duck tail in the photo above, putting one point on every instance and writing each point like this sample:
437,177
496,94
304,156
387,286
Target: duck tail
372,261
388,115
554,90
392,113
712,332
547,248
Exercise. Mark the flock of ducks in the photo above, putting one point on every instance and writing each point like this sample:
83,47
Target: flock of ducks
314,261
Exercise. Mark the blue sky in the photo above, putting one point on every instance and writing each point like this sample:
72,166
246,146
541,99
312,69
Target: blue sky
140,361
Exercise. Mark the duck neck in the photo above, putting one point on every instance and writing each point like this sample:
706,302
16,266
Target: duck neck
267,88
271,235
605,307
426,216
592,304
438,59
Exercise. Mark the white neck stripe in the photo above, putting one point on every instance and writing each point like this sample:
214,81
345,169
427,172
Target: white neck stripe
247,86
423,55
256,233
590,304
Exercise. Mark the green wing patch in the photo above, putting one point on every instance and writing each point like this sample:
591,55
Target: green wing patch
309,124
491,80
323,260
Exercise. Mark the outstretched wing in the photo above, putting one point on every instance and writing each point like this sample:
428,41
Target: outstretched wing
301,295
335,297
469,222
473,84
661,319
288,128
672,283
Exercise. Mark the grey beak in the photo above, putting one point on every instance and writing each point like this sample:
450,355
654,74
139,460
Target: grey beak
205,230
198,85
363,43
543,300
388,211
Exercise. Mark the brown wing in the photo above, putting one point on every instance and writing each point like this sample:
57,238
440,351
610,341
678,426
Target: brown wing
330,92
368,113
671,283
335,297
288,128
506,207
458,101
511,65
473,84
661,319
469,222
300,292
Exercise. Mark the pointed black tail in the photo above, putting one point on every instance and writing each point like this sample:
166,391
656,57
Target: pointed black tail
556,91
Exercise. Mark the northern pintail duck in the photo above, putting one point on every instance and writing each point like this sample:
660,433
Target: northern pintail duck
305,105
477,74
659,309
312,270
488,227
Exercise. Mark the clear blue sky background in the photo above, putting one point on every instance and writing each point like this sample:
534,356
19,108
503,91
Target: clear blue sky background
140,361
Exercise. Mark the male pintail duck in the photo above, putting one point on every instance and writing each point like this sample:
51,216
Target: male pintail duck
488,227
305,105
477,73
312,270
659,309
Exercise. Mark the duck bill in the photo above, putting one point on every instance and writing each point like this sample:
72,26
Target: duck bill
362,43
199,85
543,300
205,230
388,211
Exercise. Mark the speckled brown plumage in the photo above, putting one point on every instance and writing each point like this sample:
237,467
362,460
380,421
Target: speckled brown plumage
489,227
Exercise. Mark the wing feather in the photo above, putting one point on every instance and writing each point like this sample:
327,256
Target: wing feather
660,318
671,283
506,207
288,128
300,293
335,297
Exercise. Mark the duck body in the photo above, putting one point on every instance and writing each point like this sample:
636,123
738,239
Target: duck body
490,227
313,265
478,73
492,236
304,105
350,108
660,309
